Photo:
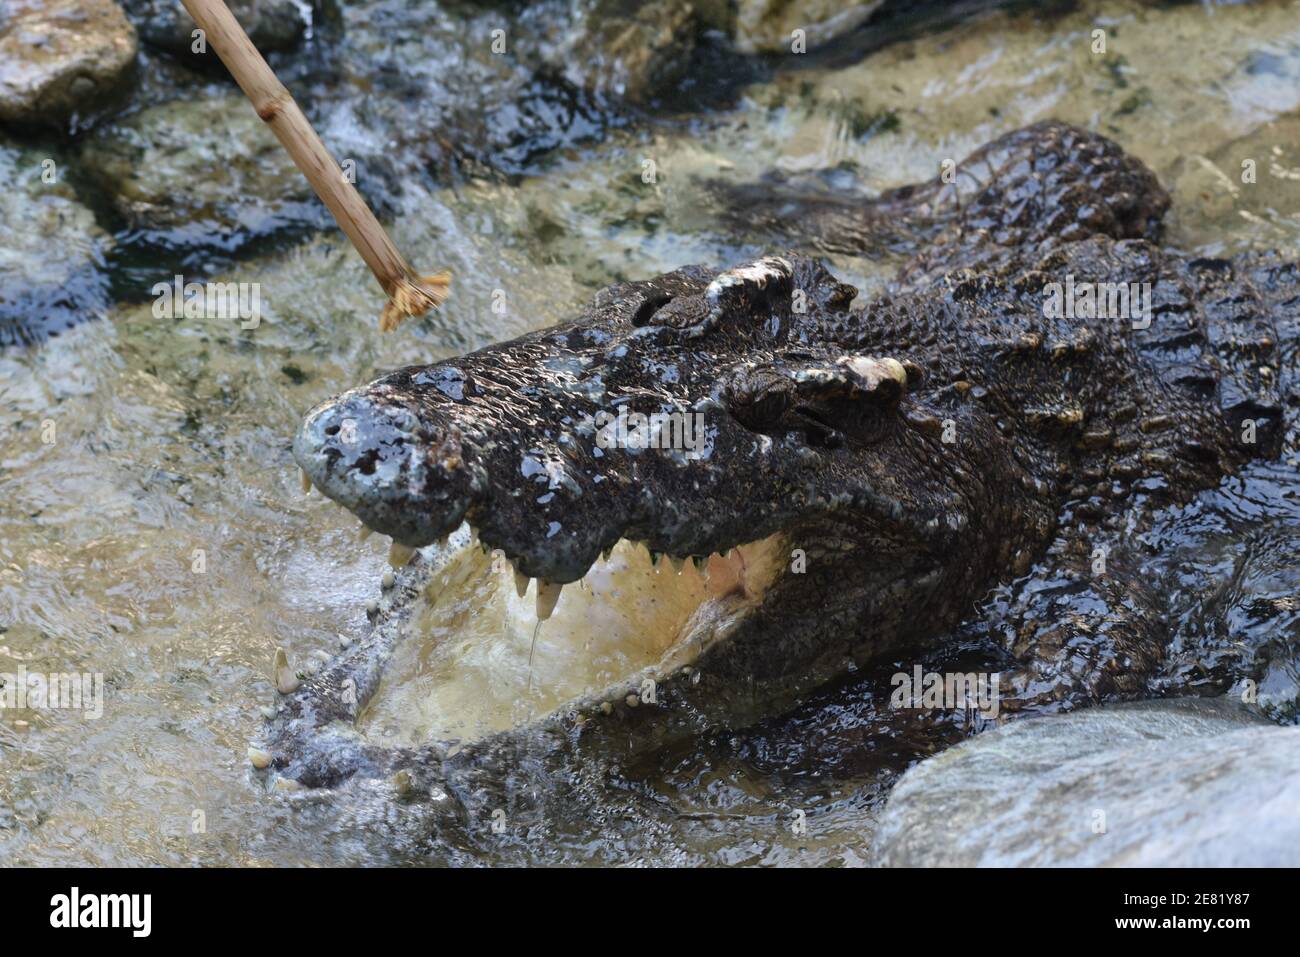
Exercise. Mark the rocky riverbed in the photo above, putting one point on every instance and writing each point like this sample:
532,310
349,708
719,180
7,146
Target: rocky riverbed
151,527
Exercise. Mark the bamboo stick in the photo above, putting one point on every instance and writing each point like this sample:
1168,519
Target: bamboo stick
408,293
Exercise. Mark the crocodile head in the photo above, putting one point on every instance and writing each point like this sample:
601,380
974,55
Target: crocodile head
665,416
800,490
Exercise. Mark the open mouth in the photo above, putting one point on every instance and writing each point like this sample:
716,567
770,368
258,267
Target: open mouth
561,605
487,650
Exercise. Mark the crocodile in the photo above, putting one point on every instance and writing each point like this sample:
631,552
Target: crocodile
867,468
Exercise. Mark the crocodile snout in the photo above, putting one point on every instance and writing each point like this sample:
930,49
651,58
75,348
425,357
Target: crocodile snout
400,474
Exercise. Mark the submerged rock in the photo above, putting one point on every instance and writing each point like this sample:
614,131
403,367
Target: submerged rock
1179,782
205,173
1252,182
51,262
630,51
767,26
59,58
271,24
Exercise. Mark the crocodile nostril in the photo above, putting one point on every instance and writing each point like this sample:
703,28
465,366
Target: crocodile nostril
646,310
366,464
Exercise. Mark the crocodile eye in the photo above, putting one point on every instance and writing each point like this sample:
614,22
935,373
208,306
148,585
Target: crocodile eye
830,402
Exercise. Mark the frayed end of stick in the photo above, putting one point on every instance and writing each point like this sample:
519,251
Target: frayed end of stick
414,297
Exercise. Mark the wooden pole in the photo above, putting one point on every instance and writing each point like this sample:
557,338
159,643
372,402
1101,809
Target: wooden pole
408,293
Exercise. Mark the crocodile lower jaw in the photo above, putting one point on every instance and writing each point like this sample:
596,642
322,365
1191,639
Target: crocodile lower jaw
481,655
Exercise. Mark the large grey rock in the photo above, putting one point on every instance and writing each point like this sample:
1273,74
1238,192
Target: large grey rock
52,258
201,173
60,57
630,51
1188,782
481,87
271,24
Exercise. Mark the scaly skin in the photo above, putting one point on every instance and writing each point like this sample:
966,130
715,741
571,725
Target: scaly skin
921,449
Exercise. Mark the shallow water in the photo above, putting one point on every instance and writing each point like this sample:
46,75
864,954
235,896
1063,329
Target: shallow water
152,528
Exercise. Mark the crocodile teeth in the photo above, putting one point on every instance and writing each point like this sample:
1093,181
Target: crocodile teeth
365,532
286,680
521,583
548,594
399,554
678,564
306,482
